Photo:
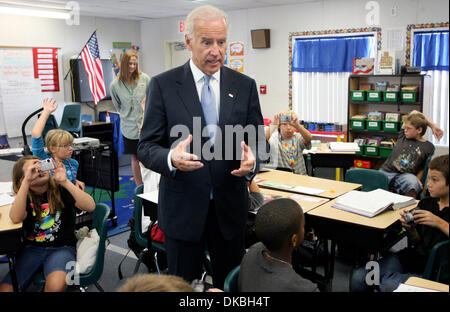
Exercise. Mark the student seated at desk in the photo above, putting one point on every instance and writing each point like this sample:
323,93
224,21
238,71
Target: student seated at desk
430,227
286,145
406,163
267,266
45,205
59,143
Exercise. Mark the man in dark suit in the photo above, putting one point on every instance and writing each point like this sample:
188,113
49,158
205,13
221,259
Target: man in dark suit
203,200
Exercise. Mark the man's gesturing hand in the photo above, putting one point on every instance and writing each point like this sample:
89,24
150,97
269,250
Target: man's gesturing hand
247,161
183,160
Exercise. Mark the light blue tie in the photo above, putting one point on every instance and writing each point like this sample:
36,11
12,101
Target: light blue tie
209,111
209,108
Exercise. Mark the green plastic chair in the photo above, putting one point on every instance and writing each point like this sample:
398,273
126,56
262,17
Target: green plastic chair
141,238
423,180
231,281
369,178
50,124
99,222
436,268
71,119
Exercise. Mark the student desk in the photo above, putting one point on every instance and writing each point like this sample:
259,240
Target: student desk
10,240
324,157
424,283
332,189
307,202
367,234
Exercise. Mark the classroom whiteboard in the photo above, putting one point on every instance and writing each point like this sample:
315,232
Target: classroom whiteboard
20,92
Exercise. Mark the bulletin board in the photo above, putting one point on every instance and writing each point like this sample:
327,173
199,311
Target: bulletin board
22,88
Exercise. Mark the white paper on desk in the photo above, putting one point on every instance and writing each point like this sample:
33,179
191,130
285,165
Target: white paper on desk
344,147
409,288
6,199
5,187
307,190
150,196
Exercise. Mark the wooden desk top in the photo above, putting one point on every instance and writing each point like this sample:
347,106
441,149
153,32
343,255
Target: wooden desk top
332,189
381,221
5,222
307,202
420,282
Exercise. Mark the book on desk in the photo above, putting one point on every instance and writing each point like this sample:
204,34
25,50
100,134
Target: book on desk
370,204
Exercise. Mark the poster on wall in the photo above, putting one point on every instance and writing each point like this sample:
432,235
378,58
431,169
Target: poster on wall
46,68
237,48
237,64
115,54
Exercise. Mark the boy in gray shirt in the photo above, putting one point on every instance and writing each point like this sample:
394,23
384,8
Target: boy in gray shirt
405,165
267,266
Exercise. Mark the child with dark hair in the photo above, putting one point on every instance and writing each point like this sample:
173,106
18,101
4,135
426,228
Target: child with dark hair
45,205
430,226
406,163
267,266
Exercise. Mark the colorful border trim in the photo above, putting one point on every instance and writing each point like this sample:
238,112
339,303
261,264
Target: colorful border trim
409,29
322,33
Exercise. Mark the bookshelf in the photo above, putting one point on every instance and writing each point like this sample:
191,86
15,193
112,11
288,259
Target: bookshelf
364,106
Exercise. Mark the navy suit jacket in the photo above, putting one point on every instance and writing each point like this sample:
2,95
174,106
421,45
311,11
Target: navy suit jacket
184,197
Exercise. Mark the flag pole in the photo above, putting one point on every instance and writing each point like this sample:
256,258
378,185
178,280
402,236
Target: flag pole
70,67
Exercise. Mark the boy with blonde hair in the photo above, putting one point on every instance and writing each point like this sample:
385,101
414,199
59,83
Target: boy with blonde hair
406,163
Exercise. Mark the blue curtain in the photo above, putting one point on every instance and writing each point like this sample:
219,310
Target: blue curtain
431,50
330,54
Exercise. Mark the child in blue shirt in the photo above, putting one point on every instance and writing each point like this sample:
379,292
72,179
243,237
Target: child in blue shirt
58,142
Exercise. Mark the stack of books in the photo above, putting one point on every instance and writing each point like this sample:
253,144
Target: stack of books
370,204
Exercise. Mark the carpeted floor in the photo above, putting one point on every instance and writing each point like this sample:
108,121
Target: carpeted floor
123,203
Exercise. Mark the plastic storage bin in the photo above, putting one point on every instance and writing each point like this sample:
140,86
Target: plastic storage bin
357,124
373,125
361,150
359,163
371,150
374,96
390,96
390,126
358,95
385,151
409,96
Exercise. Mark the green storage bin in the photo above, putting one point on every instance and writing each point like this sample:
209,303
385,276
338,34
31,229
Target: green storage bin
358,95
374,96
357,124
409,96
390,96
390,126
370,150
373,125
361,150
385,151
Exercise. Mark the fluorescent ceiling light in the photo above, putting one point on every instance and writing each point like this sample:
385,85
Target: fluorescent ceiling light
34,12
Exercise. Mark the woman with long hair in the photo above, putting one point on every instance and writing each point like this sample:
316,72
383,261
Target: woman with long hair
128,91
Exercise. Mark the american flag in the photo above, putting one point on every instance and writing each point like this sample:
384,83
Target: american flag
93,66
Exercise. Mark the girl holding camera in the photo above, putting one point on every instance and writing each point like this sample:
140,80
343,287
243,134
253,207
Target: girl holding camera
59,143
287,145
45,204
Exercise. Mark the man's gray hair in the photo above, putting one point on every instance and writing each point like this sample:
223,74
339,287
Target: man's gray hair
205,12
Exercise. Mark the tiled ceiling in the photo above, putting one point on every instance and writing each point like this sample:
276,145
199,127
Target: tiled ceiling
148,9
